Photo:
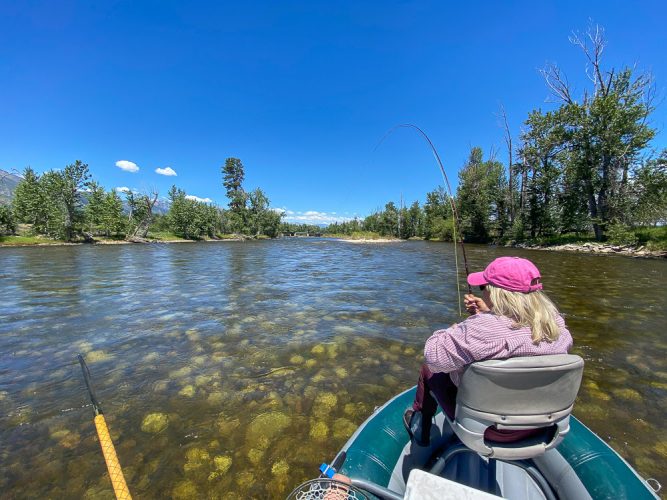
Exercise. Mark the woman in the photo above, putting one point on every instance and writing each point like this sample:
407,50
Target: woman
512,318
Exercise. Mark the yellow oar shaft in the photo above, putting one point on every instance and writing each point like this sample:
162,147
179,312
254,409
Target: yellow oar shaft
110,457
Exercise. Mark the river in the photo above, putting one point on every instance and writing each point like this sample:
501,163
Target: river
233,369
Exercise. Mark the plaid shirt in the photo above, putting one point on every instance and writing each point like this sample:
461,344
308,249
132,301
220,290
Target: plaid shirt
486,336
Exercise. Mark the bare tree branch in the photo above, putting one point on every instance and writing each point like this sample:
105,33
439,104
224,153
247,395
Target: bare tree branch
557,82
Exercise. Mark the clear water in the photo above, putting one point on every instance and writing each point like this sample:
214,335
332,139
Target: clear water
234,369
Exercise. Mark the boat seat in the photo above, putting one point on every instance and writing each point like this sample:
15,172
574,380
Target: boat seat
523,393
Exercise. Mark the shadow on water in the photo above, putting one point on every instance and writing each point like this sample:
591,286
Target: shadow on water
234,369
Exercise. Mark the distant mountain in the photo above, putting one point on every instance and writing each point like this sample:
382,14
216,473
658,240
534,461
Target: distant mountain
8,183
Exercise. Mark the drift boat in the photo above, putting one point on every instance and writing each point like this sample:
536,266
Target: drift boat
568,462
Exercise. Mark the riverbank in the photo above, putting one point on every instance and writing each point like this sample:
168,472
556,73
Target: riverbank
37,241
598,249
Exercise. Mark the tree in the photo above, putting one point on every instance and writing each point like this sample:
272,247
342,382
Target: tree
73,180
232,180
481,196
438,223
140,214
94,209
649,192
113,221
28,203
608,129
7,220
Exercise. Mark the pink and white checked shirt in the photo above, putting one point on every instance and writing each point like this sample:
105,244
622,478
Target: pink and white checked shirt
486,336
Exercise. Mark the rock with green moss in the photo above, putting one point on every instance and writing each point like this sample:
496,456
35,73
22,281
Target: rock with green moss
187,391
266,426
280,468
319,430
155,423
222,463
343,428
185,490
195,458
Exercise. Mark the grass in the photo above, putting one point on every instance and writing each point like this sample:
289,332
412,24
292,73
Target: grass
653,238
358,235
28,240
164,236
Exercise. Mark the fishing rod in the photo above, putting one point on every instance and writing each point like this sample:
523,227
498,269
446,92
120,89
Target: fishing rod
455,212
113,465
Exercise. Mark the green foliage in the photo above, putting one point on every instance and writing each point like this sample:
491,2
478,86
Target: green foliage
7,220
481,198
189,218
620,234
28,203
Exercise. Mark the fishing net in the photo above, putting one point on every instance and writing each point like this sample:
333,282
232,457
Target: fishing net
326,489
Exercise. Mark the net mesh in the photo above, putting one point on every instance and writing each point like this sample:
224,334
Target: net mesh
326,489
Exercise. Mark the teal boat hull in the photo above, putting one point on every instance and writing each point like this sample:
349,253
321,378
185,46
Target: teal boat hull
583,461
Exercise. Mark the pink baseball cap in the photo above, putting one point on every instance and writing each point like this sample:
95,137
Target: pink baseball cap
510,273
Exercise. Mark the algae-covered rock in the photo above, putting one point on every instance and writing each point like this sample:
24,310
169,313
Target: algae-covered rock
226,426
343,428
97,356
324,403
180,373
628,394
222,463
318,349
661,448
99,493
196,458
185,490
267,425
151,357
155,423
215,397
187,391
319,430
280,468
255,455
297,360
245,480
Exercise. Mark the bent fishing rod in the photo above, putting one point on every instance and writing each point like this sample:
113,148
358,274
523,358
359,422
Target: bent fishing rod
455,212
113,465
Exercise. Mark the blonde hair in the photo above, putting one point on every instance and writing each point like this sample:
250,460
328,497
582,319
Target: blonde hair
534,310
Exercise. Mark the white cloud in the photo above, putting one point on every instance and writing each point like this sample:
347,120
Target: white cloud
166,171
197,198
128,166
123,189
314,217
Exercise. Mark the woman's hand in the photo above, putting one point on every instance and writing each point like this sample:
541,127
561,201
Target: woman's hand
474,304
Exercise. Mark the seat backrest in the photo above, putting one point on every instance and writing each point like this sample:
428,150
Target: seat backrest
516,394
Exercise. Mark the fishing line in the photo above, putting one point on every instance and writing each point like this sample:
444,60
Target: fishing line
455,213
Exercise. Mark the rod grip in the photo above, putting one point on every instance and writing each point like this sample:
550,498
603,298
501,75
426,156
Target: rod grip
111,459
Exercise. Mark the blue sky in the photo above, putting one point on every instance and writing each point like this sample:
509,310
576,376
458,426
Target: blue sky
301,92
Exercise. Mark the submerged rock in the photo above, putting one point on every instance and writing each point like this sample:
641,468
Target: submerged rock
319,431
267,425
187,391
155,423
196,458
343,428
280,468
185,490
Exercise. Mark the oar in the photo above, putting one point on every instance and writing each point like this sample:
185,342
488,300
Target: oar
108,450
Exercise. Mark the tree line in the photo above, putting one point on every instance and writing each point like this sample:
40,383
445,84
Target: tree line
584,167
69,205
